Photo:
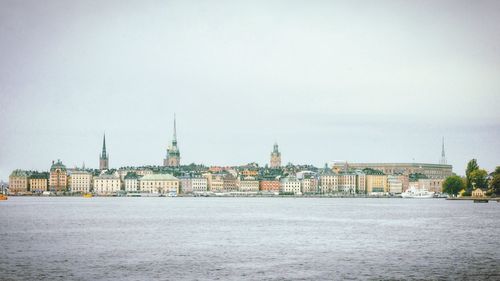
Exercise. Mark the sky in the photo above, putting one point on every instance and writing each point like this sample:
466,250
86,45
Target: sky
356,81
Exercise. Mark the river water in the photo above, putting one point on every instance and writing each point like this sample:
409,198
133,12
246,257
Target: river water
64,238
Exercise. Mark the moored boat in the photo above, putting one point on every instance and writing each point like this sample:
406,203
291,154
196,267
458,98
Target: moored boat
417,193
3,197
88,195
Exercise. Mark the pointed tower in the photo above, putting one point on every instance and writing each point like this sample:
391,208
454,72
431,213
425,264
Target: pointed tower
104,157
173,158
442,161
275,157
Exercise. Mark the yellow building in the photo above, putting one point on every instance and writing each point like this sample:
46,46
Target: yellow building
376,184
478,193
159,183
39,182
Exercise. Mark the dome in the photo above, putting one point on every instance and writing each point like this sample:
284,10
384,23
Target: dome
57,165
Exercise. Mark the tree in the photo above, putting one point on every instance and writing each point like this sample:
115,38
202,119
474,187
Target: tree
471,167
453,185
479,179
495,181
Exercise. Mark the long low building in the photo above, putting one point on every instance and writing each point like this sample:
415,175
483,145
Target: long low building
432,171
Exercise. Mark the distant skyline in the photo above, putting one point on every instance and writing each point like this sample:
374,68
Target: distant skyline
358,81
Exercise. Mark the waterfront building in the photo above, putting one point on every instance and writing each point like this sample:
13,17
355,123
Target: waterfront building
328,181
248,184
215,182
105,184
80,181
347,182
159,183
394,184
104,157
39,182
376,184
275,157
18,181
173,158
58,180
360,181
131,182
191,184
436,171
229,183
309,184
269,185
433,185
290,184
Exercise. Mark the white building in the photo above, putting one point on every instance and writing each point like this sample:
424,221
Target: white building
291,185
394,184
131,182
159,183
81,181
107,184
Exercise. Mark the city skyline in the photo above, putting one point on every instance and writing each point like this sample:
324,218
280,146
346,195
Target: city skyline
353,81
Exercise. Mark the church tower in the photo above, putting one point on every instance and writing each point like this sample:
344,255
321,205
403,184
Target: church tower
104,157
173,158
275,157
442,161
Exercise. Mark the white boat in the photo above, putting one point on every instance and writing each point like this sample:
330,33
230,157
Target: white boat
417,193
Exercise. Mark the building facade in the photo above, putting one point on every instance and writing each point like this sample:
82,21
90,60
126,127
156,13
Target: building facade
107,184
248,184
159,183
269,185
436,171
58,180
433,185
376,184
290,185
131,182
39,182
81,181
18,181
394,184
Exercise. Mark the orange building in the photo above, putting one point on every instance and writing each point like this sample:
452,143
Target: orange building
58,180
270,185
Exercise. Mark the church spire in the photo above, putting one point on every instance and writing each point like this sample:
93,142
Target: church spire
443,155
175,131
103,154
104,157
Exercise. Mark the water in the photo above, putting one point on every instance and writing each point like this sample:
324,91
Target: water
247,239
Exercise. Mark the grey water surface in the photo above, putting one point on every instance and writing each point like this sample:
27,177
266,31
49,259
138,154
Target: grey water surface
66,238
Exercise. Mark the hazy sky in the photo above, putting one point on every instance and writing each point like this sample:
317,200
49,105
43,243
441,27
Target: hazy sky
371,81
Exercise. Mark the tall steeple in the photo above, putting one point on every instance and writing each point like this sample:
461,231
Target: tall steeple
173,158
104,157
174,141
103,154
443,155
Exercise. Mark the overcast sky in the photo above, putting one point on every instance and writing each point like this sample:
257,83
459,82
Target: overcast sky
370,81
